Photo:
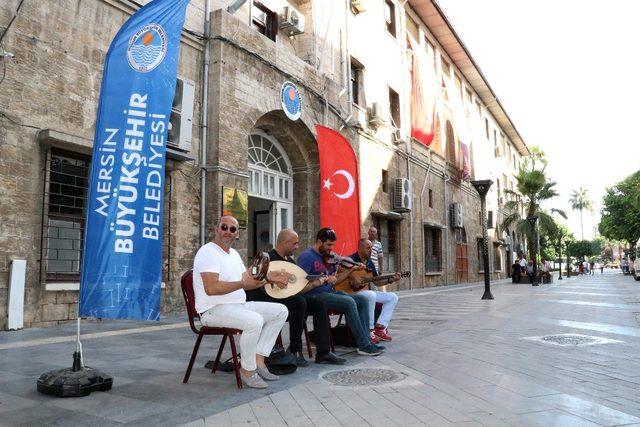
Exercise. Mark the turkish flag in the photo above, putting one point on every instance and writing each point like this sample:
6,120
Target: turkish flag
339,192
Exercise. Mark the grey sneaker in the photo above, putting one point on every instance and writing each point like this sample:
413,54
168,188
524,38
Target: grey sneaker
266,375
254,381
369,350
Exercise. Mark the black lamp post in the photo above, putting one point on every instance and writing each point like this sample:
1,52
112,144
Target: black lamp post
482,187
560,257
568,260
533,220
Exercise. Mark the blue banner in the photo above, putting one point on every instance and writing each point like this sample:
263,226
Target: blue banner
122,254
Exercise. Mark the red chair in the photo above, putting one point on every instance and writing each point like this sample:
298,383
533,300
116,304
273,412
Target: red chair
187,291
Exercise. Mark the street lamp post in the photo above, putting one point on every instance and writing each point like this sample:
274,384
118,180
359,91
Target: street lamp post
482,187
533,220
560,257
568,260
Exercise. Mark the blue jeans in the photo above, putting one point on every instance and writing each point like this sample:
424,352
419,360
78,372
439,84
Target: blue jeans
356,311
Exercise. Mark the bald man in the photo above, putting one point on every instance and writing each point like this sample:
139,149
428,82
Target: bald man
220,282
299,307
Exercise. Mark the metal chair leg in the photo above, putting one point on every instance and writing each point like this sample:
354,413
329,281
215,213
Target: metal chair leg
217,361
234,354
193,359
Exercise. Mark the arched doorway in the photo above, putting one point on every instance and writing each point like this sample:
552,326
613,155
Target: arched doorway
270,191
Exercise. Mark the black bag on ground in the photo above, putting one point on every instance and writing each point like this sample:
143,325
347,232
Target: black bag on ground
281,362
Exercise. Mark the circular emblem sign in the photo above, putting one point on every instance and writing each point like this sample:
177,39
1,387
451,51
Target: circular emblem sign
291,101
147,48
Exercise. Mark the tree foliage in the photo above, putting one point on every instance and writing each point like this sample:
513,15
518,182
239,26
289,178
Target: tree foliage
582,249
533,188
580,201
620,216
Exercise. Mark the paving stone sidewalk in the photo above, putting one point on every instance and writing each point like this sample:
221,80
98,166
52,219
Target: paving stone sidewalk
455,360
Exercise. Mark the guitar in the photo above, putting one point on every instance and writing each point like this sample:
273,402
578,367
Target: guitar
297,282
360,279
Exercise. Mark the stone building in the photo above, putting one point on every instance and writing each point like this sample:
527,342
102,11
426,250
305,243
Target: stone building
350,62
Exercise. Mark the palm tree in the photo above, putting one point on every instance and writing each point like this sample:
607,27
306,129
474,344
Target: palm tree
580,200
533,189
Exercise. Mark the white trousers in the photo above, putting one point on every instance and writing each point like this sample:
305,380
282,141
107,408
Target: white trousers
260,323
388,301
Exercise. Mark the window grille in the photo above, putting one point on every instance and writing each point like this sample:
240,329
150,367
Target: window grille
432,249
63,214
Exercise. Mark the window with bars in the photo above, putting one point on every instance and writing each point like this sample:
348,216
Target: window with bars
64,204
357,79
432,249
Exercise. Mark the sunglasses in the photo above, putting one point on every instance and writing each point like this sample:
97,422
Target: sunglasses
232,229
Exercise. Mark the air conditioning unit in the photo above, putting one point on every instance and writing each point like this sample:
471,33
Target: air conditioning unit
181,120
375,117
455,215
359,6
402,195
291,21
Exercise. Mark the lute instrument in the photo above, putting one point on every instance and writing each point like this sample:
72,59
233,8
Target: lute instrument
298,280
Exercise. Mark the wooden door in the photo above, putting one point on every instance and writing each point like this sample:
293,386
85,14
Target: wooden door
462,263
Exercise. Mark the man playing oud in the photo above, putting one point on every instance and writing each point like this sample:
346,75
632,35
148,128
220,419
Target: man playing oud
219,283
387,299
299,307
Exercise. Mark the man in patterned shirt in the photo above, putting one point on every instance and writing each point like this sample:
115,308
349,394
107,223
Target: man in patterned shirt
376,249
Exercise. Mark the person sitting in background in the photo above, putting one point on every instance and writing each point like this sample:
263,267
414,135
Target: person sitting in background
529,270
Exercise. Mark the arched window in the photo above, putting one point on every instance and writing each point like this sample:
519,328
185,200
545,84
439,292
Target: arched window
270,174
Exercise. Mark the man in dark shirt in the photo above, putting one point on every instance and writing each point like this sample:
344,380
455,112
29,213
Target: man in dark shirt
354,306
299,307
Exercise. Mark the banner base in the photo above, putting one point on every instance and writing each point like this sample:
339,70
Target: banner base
77,381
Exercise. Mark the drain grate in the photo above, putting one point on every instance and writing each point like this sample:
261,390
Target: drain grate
363,377
566,340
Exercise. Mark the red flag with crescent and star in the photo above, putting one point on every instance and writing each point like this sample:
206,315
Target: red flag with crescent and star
339,192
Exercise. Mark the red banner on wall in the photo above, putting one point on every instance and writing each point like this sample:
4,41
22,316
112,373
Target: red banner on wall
339,191
423,115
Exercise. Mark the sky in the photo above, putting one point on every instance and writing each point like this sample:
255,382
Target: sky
566,73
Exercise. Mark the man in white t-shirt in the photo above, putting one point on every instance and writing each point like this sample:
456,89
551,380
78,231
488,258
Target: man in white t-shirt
219,283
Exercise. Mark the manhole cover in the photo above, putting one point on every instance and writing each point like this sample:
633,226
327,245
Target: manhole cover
565,340
363,377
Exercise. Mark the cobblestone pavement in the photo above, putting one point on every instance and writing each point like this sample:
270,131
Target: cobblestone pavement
454,360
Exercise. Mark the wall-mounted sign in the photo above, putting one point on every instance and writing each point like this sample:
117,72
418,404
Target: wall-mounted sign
291,101
235,202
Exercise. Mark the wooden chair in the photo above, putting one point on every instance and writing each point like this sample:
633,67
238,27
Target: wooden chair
187,291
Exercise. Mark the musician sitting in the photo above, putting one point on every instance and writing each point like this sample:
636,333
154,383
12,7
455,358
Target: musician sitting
387,299
219,283
355,307
299,307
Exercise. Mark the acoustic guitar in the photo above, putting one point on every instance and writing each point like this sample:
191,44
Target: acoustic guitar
360,279
297,282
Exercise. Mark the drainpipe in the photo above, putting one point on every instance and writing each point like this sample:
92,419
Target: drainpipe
445,178
424,186
410,216
203,121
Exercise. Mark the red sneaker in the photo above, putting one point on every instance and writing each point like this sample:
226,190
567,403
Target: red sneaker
374,338
382,334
